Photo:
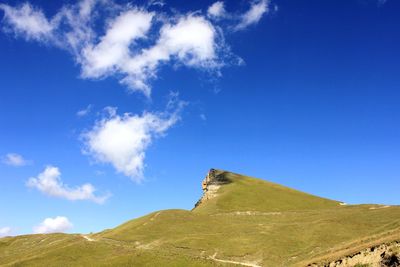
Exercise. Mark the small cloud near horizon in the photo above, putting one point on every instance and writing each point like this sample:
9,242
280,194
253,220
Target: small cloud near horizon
59,224
5,231
49,183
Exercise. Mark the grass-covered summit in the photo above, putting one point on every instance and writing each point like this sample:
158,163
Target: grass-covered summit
243,193
240,221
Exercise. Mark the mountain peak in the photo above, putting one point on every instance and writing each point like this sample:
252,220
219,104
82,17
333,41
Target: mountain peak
225,191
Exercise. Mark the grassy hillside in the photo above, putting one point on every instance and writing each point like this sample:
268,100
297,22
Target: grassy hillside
250,222
244,193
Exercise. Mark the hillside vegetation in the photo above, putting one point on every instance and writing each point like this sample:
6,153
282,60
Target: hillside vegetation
250,222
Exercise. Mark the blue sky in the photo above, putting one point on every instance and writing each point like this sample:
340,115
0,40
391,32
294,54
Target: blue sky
122,110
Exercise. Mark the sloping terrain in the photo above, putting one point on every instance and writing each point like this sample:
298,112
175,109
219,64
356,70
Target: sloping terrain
240,221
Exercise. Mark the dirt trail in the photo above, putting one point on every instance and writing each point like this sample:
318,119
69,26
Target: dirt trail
88,238
213,257
380,207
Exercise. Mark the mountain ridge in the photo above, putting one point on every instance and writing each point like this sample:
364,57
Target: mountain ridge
239,221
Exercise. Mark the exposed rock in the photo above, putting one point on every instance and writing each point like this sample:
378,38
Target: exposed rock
384,255
210,185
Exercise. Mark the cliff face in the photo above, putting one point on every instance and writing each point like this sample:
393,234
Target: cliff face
210,185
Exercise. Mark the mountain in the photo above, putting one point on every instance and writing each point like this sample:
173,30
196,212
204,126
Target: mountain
239,221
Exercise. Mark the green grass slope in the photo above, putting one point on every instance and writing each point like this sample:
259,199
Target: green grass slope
249,223
244,193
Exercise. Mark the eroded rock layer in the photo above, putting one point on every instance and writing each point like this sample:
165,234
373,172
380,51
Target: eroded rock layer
384,255
210,185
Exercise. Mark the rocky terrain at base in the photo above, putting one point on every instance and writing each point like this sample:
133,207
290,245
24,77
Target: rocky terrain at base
384,255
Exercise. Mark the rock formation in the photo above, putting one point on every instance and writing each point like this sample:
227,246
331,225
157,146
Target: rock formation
211,183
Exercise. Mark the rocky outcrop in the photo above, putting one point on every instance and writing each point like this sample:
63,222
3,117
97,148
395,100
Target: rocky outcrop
210,185
384,255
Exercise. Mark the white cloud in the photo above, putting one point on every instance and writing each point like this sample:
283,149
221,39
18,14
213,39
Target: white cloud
58,224
122,140
15,160
111,53
28,21
86,8
136,43
217,10
49,182
254,14
191,42
85,111
5,231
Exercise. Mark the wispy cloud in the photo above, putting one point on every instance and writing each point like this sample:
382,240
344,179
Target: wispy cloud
238,21
5,231
381,2
28,21
49,183
217,10
122,140
58,224
84,112
137,40
254,14
16,160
